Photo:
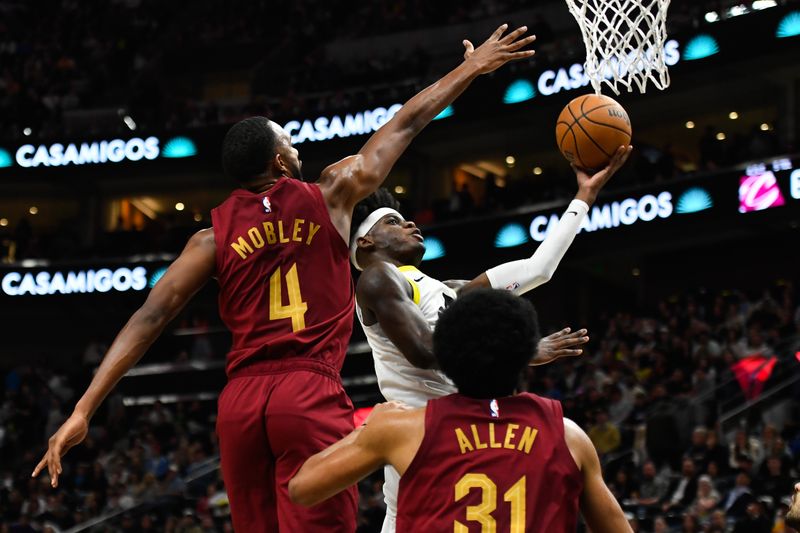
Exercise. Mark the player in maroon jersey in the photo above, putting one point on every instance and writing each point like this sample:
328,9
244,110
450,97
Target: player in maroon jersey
481,458
279,250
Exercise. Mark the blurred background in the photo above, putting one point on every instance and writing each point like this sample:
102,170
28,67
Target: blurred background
685,272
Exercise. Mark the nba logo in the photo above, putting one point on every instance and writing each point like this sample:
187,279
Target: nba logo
494,409
267,205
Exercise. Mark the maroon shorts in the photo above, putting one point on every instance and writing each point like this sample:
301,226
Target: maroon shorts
269,423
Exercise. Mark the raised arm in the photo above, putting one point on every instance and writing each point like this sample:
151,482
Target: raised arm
386,297
354,178
599,507
187,275
526,274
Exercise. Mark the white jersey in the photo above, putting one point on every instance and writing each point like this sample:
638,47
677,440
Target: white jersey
398,379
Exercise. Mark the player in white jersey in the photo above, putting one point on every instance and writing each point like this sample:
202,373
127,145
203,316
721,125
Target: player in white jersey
398,305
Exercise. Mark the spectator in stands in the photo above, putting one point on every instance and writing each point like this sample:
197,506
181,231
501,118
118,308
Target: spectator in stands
739,497
742,449
706,498
683,489
698,450
774,483
652,487
754,521
604,434
752,344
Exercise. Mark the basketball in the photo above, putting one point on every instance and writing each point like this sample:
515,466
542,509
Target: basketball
590,129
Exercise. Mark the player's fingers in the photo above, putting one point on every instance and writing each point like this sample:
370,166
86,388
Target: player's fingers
51,469
39,466
620,156
572,341
521,54
468,49
570,353
514,35
497,33
521,43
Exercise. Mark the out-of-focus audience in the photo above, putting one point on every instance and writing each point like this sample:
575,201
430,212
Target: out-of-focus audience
640,392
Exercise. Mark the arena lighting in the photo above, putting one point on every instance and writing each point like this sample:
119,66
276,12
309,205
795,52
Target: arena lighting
326,128
155,276
721,136
711,16
624,212
519,91
27,132
179,147
129,122
700,47
759,5
445,113
434,249
3,222
737,11
694,200
759,192
794,184
510,235
689,125
789,26
98,152
42,283
733,115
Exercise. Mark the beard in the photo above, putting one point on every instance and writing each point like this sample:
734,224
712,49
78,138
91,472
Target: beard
296,172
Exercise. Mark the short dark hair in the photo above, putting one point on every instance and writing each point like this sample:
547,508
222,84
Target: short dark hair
484,341
380,198
248,148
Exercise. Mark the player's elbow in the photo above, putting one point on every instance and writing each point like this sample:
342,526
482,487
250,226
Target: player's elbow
300,492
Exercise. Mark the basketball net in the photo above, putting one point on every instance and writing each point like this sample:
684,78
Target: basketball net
624,42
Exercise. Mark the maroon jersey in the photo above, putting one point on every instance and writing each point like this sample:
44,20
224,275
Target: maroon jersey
491,465
284,276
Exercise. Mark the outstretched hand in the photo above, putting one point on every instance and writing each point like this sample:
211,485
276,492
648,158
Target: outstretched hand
589,184
71,432
498,50
564,343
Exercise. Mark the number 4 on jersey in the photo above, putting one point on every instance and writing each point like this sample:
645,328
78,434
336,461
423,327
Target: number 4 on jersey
296,310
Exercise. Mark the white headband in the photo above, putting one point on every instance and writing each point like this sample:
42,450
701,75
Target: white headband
366,226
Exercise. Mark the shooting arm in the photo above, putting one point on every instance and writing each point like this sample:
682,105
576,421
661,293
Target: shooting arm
385,293
526,274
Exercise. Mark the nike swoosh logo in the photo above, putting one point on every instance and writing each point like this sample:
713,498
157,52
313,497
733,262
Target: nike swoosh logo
573,212
420,279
